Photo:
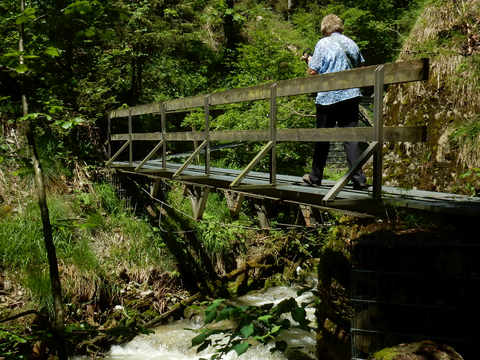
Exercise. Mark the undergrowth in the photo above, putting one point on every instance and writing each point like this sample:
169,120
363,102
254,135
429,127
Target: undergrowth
95,233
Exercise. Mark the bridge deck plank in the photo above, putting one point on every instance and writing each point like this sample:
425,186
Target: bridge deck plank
292,188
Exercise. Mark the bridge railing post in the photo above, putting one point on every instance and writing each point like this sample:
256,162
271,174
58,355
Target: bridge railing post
273,133
130,138
378,129
109,136
207,134
163,120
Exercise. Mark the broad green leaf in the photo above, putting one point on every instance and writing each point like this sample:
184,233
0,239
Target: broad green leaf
224,314
27,15
21,20
241,348
265,318
247,330
299,315
275,329
90,32
12,54
21,69
52,51
210,316
204,345
30,11
197,340
67,125
216,303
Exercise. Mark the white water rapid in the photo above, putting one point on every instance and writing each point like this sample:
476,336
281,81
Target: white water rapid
172,341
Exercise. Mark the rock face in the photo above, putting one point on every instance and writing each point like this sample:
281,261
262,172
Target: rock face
423,350
447,104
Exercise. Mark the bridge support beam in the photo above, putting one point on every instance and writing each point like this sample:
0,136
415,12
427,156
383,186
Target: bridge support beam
155,188
198,196
262,213
234,202
378,127
308,215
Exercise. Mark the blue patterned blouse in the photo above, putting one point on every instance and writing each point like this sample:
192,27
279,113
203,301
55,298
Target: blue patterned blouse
329,56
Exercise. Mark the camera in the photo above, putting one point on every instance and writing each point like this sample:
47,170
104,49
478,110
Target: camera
307,54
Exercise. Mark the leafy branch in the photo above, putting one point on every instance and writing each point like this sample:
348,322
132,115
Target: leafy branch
252,324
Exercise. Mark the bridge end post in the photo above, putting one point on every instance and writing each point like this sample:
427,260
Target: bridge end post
163,120
273,133
109,135
130,137
207,134
378,129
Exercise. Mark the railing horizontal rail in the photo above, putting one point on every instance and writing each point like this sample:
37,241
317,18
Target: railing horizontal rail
364,134
395,73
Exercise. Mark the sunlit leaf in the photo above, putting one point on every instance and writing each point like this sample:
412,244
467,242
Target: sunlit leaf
241,348
216,303
21,69
275,329
67,125
12,54
52,51
247,330
265,318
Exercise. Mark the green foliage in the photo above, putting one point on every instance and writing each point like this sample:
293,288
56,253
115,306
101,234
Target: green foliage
82,227
12,345
260,323
377,26
85,58
469,131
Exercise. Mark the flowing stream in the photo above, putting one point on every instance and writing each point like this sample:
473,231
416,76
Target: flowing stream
172,341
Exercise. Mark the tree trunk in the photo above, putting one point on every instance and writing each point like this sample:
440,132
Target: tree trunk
58,321
230,30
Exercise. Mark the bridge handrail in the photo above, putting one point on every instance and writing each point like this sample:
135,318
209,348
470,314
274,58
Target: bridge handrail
395,73
377,76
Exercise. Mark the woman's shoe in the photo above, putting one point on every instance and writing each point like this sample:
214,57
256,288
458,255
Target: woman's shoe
307,179
360,186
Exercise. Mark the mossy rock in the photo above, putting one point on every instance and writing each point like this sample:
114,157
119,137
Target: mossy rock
423,350
296,354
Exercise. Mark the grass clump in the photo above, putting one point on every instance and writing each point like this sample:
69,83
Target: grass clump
96,236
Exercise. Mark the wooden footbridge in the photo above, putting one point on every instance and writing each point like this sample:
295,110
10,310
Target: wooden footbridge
239,184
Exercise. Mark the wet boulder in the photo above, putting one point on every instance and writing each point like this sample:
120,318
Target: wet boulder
423,350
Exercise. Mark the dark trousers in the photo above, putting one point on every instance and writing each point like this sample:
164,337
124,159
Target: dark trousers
344,114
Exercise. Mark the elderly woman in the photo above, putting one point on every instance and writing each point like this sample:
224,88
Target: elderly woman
335,52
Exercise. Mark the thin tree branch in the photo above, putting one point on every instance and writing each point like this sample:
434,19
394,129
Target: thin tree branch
17,316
